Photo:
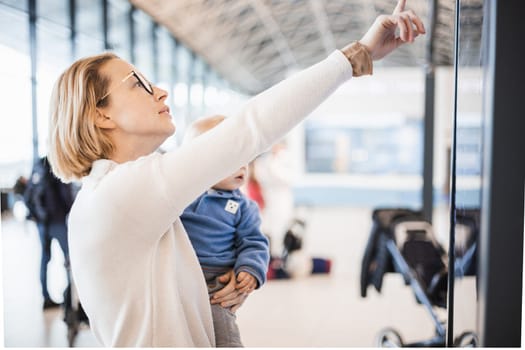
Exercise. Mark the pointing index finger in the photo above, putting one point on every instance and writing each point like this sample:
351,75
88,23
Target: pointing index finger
400,7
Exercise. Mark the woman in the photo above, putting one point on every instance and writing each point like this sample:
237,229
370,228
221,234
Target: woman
136,272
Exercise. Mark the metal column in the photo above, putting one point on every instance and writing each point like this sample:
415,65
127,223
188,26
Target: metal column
33,58
501,238
428,138
73,28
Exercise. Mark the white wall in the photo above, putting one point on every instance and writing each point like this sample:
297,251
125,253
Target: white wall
393,93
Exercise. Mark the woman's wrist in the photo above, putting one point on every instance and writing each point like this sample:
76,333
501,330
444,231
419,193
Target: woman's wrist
359,57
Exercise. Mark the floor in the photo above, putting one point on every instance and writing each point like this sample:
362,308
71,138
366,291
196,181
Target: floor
312,311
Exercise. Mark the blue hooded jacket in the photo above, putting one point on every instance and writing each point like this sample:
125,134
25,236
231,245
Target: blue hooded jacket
224,228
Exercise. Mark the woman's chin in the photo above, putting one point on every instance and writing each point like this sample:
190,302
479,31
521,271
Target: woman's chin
170,130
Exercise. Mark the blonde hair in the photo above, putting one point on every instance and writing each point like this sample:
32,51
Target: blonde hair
200,126
75,142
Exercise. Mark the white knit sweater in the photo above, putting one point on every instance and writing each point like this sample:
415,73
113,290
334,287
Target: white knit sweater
136,272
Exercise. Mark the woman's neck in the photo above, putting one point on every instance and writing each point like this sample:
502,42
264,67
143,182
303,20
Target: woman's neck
128,151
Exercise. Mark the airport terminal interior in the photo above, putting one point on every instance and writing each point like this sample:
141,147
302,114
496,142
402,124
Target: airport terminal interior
394,211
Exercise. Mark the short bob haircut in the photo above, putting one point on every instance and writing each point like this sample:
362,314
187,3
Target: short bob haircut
75,142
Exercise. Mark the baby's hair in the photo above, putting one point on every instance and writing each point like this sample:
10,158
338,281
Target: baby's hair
200,126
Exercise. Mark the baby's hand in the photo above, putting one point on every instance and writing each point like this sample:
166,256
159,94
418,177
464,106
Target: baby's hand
246,283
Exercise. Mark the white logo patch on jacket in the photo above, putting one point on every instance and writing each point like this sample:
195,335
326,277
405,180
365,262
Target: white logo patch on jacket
231,206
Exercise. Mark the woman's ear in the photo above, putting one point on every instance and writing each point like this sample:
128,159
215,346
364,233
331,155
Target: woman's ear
103,121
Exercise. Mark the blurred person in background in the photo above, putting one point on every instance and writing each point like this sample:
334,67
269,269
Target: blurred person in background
274,172
253,188
49,201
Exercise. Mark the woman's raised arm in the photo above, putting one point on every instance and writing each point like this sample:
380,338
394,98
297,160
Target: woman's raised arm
267,117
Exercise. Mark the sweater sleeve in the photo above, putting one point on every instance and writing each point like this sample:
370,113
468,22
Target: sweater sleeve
265,118
253,254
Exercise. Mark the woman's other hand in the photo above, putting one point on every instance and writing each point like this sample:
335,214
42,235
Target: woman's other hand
229,296
381,38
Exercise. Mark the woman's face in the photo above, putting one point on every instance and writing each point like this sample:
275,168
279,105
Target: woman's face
136,115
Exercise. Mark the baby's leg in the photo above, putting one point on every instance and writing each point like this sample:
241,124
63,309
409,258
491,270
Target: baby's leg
224,321
226,331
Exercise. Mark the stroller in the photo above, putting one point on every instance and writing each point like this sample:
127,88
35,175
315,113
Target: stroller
402,241
292,241
287,266
466,237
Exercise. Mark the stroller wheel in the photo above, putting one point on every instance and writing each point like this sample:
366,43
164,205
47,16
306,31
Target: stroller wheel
389,338
466,340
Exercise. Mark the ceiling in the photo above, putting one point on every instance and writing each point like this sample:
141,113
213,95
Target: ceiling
256,43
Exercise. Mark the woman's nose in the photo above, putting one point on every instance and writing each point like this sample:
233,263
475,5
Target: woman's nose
159,93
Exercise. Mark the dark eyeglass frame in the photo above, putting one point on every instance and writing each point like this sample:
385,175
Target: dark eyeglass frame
146,85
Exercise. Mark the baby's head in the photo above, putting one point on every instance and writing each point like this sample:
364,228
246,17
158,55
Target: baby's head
199,127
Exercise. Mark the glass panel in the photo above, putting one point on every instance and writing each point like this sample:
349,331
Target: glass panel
197,89
16,152
14,31
468,175
372,145
52,59
90,37
164,59
56,11
143,44
118,31
361,152
15,4
180,91
166,74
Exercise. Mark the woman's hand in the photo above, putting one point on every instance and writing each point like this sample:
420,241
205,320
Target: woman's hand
381,38
229,296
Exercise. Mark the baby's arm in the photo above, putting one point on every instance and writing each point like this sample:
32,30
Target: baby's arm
246,283
252,248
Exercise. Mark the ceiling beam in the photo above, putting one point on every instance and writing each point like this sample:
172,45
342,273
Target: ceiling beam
275,33
323,26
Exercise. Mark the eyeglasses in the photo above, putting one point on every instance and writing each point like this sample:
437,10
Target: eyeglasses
146,85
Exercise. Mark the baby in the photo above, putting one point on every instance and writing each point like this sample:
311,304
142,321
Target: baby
224,228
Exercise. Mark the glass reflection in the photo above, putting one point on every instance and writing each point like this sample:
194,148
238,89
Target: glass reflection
468,175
